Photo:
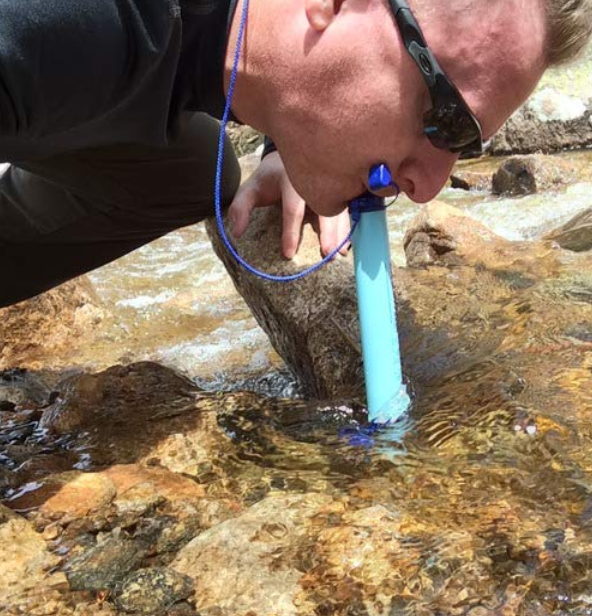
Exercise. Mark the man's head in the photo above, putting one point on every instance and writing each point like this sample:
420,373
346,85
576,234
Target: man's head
332,83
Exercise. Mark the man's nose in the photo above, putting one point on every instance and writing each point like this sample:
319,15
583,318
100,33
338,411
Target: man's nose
422,177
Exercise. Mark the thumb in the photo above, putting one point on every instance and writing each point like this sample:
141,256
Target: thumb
240,210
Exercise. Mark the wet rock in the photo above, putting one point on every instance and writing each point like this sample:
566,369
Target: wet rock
524,175
575,234
73,494
248,565
311,322
549,122
86,401
444,235
22,388
105,565
36,330
470,180
138,483
141,413
153,591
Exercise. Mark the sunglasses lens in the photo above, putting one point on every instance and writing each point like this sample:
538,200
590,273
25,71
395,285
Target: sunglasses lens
452,127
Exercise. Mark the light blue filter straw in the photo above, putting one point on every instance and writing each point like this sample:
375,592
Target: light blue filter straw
386,392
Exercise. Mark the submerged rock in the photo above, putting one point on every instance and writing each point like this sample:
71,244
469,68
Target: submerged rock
251,564
105,565
576,234
36,330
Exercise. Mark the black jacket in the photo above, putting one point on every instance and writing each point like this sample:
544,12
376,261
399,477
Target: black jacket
85,73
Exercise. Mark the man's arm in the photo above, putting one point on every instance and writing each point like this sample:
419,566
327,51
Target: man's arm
67,62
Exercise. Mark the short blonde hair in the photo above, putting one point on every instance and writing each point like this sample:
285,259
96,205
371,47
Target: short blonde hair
569,28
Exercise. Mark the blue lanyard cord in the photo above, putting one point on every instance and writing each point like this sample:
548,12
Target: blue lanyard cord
217,188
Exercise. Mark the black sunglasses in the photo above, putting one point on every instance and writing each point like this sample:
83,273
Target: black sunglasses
449,124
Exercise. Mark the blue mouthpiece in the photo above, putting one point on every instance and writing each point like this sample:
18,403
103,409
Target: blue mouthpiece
379,177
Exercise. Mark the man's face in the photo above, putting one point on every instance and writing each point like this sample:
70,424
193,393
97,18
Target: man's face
361,99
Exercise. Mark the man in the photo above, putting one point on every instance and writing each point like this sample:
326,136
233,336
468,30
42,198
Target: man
99,102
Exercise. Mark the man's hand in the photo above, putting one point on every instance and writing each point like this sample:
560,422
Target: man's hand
269,185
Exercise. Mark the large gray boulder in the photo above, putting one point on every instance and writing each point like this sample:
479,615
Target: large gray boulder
550,121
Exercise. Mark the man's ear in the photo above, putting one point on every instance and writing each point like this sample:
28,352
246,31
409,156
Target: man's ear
320,13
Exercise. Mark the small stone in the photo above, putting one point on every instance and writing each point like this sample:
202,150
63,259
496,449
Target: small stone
51,532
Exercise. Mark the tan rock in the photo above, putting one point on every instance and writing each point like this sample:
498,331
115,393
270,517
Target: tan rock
24,557
34,331
248,565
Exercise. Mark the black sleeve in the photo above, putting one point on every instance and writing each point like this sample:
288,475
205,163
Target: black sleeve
268,147
67,62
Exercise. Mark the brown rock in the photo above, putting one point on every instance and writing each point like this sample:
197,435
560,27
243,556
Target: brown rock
160,481
74,494
523,175
90,399
444,235
34,331
470,180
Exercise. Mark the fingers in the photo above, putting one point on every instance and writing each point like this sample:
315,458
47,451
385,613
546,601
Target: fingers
260,190
332,231
293,208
